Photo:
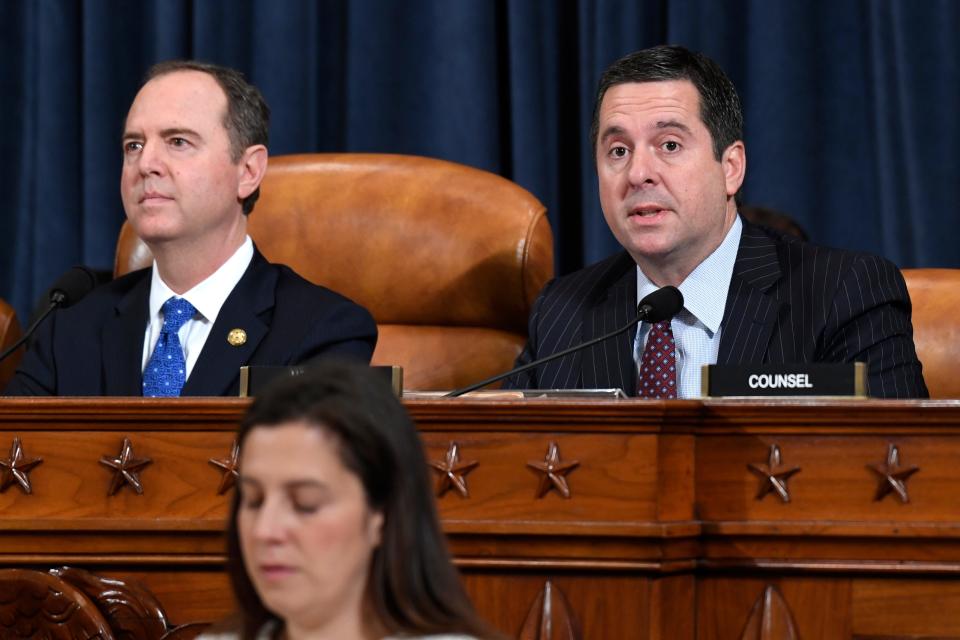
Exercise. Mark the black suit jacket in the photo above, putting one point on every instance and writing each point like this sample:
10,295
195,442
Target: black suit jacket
788,302
96,346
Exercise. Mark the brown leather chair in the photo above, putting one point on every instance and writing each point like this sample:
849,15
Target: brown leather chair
935,294
447,258
9,333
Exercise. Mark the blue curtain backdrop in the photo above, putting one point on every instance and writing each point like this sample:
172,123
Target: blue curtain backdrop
852,106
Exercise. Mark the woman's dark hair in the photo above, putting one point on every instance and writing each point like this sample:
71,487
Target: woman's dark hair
412,586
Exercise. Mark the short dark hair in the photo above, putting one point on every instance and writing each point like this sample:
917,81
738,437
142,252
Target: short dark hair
247,119
720,107
412,585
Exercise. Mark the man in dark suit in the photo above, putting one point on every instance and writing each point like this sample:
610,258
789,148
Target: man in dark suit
194,154
667,134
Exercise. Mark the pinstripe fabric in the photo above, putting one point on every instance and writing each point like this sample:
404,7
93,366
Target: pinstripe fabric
788,302
574,309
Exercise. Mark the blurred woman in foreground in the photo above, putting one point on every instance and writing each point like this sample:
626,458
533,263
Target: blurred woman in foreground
334,533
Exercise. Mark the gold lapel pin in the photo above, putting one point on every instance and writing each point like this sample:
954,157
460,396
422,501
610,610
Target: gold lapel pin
237,337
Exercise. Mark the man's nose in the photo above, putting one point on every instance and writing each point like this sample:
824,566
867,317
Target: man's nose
643,169
150,161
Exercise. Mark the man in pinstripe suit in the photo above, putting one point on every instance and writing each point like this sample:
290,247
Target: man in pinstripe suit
667,135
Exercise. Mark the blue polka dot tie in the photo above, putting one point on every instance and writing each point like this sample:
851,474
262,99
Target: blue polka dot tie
658,364
167,369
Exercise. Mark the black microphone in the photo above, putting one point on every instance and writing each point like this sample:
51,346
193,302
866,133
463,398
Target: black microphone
67,290
661,304
72,286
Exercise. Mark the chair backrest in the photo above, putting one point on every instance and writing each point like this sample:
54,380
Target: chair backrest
447,258
935,294
34,604
9,333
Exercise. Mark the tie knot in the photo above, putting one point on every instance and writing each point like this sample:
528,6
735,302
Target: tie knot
176,312
662,327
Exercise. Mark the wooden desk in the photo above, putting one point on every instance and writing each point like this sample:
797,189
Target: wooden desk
663,535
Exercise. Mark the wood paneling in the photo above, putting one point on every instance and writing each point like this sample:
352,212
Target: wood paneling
885,607
835,483
662,536
818,607
503,488
602,605
71,484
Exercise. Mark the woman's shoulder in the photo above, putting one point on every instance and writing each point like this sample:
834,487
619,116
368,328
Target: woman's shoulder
442,636
230,635
233,635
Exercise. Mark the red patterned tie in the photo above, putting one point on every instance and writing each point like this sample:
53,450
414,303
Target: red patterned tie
658,364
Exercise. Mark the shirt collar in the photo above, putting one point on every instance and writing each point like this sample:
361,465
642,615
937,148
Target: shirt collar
210,294
705,289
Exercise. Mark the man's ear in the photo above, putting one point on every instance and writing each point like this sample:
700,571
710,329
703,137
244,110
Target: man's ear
734,162
252,168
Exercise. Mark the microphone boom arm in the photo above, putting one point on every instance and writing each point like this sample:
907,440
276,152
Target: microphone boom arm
536,363
659,305
26,336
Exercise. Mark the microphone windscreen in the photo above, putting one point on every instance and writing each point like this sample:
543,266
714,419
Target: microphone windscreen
72,286
663,303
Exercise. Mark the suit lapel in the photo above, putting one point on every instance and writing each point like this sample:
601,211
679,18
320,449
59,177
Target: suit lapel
218,367
751,311
610,364
121,342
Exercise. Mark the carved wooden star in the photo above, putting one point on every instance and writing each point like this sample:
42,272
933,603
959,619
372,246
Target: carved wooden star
893,476
553,472
452,472
125,468
774,475
15,469
230,469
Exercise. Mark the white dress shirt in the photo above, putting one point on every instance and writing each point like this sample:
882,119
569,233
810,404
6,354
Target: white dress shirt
207,298
696,329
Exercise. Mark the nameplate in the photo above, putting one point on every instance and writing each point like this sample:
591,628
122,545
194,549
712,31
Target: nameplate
254,379
817,379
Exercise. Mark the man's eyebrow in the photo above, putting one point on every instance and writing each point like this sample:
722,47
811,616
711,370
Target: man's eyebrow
611,131
178,131
616,130
673,124
165,133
